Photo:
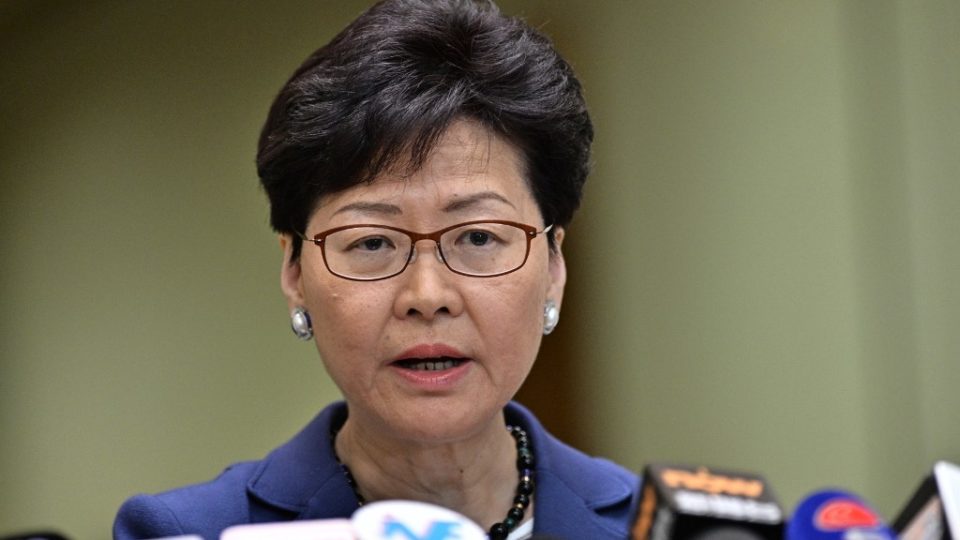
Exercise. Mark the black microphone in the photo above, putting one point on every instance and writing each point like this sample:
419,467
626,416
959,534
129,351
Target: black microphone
38,535
700,503
933,512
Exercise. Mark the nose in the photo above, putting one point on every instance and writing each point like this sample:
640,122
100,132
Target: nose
429,289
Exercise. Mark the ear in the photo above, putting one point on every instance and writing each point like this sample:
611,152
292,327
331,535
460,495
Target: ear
290,274
557,268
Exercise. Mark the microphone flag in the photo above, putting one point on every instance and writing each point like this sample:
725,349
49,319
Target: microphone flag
836,515
697,502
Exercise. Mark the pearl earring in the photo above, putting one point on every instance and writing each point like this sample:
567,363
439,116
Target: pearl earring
551,316
300,323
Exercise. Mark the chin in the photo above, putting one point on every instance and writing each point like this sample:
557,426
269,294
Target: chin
443,420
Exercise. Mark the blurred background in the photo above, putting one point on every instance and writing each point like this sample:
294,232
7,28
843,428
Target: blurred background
763,275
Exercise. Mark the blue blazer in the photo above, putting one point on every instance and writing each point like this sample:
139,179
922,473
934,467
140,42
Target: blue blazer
577,497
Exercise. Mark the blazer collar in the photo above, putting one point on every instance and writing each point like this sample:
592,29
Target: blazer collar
303,476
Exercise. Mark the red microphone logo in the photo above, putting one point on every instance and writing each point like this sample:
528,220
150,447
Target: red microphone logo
840,514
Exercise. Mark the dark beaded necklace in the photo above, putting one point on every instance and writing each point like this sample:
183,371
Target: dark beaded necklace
521,501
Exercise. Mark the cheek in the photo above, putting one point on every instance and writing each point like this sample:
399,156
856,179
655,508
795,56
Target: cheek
345,316
510,316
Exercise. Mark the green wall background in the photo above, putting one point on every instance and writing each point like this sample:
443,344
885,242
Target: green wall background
763,275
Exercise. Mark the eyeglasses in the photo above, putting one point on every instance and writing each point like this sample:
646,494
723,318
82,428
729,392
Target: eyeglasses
475,248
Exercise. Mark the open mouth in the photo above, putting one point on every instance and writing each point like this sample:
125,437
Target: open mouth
430,364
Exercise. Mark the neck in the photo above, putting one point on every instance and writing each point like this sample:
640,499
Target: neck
476,476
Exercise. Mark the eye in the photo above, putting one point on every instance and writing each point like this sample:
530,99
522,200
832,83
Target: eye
478,238
371,243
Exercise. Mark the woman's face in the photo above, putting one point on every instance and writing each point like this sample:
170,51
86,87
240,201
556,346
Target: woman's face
382,341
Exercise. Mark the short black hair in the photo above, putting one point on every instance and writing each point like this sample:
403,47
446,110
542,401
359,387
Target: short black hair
384,90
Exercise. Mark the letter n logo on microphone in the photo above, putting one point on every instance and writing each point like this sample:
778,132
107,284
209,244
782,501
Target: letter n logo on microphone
438,530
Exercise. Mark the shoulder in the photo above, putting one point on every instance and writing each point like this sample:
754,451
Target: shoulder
280,487
577,496
202,509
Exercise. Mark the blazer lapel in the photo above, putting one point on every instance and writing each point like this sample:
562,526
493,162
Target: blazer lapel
303,475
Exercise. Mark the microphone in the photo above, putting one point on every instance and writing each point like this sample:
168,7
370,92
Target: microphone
837,515
699,503
316,529
37,535
933,512
407,520
382,520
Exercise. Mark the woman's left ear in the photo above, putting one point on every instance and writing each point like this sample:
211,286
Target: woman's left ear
557,268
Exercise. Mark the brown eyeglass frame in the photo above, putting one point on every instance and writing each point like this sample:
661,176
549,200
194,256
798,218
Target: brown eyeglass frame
531,233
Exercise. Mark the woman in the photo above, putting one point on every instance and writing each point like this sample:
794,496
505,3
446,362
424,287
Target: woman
421,169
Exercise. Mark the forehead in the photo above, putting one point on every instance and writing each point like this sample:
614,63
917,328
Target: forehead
468,159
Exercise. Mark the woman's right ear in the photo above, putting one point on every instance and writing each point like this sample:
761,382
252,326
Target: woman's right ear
291,282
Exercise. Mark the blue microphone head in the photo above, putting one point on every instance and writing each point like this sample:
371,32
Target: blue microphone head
836,515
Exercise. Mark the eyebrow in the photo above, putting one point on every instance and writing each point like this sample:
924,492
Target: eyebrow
464,203
370,208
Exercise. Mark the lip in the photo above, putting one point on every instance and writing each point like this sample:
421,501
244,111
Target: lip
432,382
430,350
